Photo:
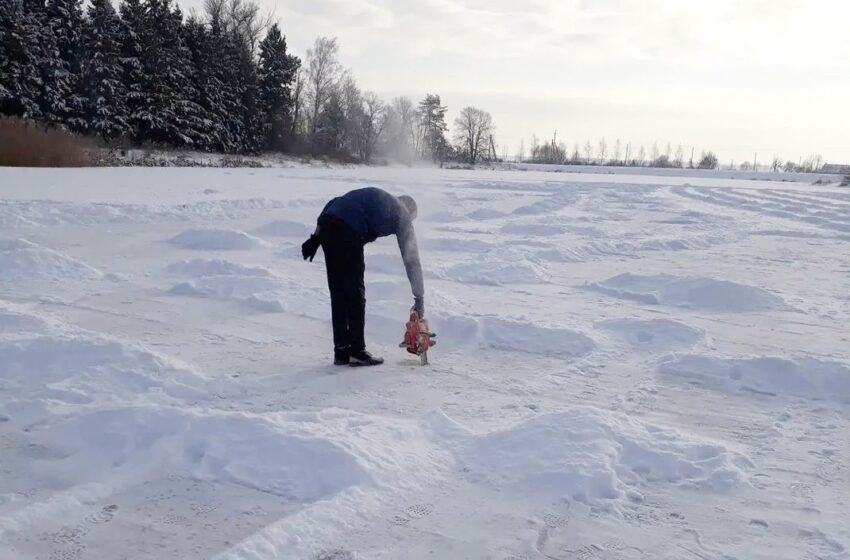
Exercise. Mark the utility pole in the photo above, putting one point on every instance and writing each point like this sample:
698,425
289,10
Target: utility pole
755,162
692,158
628,147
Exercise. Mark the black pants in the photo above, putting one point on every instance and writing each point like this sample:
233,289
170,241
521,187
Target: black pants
343,250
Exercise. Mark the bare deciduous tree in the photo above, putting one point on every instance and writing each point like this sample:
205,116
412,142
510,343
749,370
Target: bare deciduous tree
244,18
641,155
322,73
616,154
473,134
372,123
298,102
588,152
399,136
603,150
776,164
679,158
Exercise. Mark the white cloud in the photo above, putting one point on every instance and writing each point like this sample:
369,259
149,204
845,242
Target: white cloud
737,75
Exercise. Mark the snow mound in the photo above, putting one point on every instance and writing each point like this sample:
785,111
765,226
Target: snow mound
23,262
550,204
212,239
215,267
495,273
16,322
512,336
534,230
385,263
445,217
653,334
243,449
804,377
598,459
52,213
485,214
599,249
283,228
256,292
79,367
691,292
456,245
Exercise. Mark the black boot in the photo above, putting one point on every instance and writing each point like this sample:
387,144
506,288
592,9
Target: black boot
364,358
342,356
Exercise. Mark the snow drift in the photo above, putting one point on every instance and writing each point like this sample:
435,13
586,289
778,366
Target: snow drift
23,262
598,459
691,292
766,375
212,239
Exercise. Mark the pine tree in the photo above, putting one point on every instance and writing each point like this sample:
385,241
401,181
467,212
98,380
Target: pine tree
432,123
205,60
276,75
105,102
168,113
20,57
133,28
63,100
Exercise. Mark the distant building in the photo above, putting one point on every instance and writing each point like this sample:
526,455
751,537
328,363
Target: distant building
837,168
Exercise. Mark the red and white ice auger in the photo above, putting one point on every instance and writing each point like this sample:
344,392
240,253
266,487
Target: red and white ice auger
418,338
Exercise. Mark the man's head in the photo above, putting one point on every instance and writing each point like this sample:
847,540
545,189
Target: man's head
408,204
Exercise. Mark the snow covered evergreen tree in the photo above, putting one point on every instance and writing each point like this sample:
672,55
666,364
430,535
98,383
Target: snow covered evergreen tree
276,74
168,113
133,28
20,54
63,99
103,85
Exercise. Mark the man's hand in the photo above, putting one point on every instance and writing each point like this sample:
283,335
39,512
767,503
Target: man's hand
309,247
419,306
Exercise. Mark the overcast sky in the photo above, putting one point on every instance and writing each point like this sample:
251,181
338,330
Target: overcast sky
735,76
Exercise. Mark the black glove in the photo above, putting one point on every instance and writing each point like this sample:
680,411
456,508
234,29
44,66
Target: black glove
419,306
309,247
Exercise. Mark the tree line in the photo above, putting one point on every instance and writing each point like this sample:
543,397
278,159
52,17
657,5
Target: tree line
624,154
223,80
616,154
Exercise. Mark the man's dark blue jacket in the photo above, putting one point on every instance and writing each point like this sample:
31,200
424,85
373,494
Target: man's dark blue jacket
374,213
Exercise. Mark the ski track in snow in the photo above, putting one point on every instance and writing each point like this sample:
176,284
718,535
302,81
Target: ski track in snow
627,367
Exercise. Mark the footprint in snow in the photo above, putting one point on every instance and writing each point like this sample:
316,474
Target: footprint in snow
416,511
335,554
105,515
68,535
802,491
70,553
828,470
556,521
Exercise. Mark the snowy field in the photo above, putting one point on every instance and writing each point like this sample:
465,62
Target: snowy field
629,367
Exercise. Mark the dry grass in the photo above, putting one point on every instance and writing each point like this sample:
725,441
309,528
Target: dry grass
28,144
